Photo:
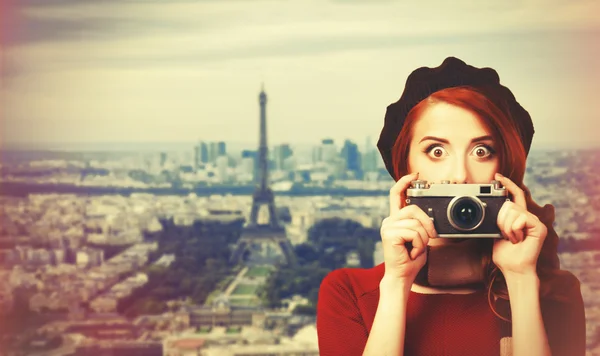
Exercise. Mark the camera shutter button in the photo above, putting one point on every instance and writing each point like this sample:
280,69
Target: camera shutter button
419,184
445,182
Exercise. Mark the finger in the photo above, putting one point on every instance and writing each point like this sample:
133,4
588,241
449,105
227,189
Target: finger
519,225
397,190
508,205
400,236
412,224
511,216
418,247
415,212
517,193
394,246
421,259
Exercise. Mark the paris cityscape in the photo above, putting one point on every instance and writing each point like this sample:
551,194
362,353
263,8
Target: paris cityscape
212,251
149,205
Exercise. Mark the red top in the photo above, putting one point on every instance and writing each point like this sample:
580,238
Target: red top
436,324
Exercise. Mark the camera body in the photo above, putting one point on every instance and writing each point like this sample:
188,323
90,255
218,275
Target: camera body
460,210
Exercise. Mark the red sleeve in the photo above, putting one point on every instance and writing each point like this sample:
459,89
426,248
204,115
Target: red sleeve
565,326
340,327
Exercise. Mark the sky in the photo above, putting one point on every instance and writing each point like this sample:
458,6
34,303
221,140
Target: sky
139,71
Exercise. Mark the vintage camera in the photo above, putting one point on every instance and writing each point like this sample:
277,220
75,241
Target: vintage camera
460,210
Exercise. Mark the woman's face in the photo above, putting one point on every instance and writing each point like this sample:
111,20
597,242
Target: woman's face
451,143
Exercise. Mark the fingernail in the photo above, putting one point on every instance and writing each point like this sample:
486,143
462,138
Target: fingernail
499,176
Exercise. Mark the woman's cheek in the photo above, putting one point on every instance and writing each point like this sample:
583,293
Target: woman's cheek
484,171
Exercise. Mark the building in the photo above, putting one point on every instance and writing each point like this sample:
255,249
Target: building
328,150
222,165
163,159
119,347
371,158
222,313
250,157
7,300
280,154
317,154
352,158
200,155
221,149
295,349
216,149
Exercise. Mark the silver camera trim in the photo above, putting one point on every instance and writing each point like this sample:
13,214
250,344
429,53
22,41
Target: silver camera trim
471,236
422,188
482,205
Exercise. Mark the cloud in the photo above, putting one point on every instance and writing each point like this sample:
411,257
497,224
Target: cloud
61,34
107,69
253,21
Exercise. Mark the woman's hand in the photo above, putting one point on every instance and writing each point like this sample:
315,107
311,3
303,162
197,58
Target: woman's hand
407,225
524,234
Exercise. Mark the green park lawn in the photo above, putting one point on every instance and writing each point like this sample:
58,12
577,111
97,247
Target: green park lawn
204,330
258,272
233,330
245,302
244,289
220,288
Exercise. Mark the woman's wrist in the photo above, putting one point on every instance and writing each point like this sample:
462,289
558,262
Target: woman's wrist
393,299
522,286
394,287
521,279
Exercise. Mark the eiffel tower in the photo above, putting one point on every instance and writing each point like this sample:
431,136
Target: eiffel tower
256,238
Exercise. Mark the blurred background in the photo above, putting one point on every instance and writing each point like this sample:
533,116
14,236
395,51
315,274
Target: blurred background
136,216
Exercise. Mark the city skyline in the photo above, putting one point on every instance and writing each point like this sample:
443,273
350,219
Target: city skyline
187,71
232,146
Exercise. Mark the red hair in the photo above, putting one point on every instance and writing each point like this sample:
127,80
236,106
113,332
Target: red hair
512,160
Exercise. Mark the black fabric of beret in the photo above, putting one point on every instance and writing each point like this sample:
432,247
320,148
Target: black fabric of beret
453,72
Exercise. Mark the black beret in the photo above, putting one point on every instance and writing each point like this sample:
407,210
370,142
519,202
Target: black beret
453,72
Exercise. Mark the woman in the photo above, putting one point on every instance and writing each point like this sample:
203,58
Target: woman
505,296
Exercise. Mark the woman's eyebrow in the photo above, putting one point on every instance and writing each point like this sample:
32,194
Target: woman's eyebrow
443,140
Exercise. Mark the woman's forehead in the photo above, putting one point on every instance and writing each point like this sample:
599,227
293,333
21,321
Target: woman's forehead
445,120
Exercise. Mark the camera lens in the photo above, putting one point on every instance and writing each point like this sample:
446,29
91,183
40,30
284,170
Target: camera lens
465,213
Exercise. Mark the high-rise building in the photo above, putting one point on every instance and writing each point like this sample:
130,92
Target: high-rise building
216,149
213,152
200,154
371,158
317,154
254,156
222,163
352,157
280,154
249,153
247,166
221,149
163,159
328,150
289,164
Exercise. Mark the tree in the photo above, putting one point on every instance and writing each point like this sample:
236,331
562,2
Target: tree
306,253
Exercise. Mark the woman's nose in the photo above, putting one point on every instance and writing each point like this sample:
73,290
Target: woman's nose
460,174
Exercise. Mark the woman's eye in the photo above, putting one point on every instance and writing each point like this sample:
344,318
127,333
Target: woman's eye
436,151
482,151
